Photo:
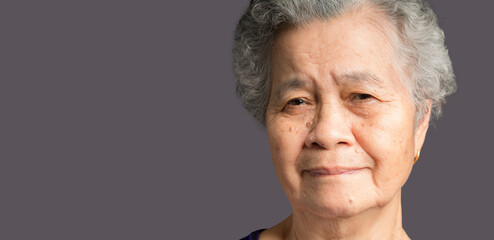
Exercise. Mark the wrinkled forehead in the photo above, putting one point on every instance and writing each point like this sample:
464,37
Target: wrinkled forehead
341,31
344,44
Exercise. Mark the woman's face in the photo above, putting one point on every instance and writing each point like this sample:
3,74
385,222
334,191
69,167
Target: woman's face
340,123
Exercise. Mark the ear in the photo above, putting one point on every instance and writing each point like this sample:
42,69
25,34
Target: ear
422,126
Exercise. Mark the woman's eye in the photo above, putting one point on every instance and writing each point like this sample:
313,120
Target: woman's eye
361,96
296,105
296,102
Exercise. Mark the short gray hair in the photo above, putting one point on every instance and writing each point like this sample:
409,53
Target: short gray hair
420,47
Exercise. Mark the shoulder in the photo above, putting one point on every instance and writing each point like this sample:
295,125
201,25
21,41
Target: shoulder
277,232
253,235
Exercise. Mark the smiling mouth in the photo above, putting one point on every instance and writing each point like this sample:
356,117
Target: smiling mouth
320,172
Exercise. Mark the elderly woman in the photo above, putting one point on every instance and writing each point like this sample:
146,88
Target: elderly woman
345,90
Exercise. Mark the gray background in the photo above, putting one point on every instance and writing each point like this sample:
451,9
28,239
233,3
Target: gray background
119,121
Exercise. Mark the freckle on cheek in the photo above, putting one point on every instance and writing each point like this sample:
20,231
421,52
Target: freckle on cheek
308,124
290,129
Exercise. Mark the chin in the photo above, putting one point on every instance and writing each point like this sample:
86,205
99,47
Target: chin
337,206
337,210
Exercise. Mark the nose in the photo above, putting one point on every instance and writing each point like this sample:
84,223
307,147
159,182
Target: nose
330,128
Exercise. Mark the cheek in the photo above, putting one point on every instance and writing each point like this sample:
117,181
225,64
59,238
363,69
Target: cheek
388,143
286,135
286,140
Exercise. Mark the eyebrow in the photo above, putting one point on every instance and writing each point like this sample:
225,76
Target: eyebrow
287,86
362,77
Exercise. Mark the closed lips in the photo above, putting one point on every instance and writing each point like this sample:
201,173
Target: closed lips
331,171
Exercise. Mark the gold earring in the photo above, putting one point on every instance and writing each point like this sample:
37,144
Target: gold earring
416,157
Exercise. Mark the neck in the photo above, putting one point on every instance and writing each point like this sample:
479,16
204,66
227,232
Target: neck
376,223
